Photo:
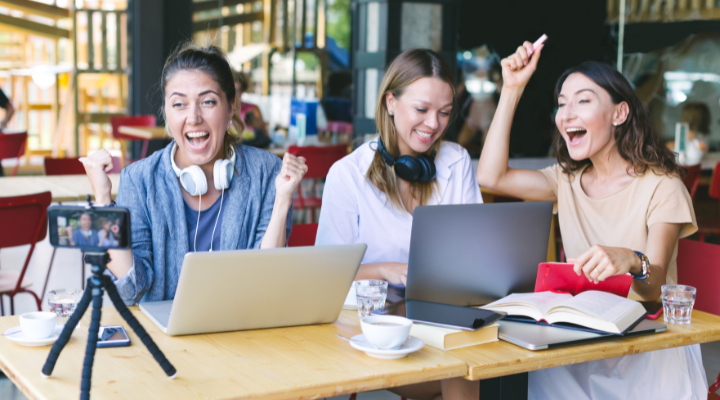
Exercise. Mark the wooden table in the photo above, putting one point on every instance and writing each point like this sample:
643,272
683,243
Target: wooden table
144,132
63,187
299,362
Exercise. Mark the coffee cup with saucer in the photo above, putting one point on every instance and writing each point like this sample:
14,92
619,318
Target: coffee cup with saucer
36,329
390,336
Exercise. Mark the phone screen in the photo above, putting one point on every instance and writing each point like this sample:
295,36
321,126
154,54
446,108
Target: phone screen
88,229
112,336
653,308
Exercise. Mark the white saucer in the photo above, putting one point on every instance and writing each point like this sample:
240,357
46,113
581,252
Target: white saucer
412,344
16,335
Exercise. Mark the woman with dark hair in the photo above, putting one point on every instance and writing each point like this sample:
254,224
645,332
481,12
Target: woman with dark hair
176,196
370,195
622,207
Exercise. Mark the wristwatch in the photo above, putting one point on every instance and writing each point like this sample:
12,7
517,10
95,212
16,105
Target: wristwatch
645,265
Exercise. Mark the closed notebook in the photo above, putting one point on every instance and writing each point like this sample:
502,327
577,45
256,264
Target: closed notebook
448,338
560,278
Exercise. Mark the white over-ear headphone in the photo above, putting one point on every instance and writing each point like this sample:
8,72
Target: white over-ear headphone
193,179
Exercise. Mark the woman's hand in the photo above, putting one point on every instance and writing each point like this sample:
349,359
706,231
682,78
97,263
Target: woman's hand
292,172
519,67
97,167
601,262
394,273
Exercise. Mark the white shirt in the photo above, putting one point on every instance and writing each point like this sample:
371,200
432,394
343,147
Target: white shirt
355,211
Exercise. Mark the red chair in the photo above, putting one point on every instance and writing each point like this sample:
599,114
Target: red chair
697,267
303,235
692,178
27,215
140,120
319,160
705,225
72,166
12,145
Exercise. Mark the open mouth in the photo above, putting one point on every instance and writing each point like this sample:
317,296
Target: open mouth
197,139
575,135
424,136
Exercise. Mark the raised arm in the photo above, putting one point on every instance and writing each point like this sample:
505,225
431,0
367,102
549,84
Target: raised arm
97,166
287,180
493,171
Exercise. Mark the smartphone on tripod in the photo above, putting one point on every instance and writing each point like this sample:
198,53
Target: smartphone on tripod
90,229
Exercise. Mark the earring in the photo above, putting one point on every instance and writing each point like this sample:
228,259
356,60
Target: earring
230,122
615,124
391,113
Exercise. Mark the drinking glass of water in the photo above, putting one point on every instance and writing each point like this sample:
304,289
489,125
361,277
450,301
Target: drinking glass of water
678,301
371,295
63,302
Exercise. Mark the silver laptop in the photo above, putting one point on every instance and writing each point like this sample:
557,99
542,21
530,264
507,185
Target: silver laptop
541,337
474,254
254,289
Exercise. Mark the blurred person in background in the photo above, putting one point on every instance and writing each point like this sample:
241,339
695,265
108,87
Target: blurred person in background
255,133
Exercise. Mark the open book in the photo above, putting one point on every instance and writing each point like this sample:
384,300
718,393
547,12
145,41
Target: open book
596,310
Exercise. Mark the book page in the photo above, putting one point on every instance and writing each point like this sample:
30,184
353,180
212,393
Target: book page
542,301
602,305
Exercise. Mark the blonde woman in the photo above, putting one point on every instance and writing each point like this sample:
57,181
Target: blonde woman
370,195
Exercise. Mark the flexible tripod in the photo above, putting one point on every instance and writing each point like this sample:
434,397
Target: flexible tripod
94,290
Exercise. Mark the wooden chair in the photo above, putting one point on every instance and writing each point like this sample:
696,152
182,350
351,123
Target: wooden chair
72,166
140,120
12,145
25,222
692,178
697,267
303,235
705,225
319,160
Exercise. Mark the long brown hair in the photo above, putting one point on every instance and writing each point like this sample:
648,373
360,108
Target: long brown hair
637,141
407,68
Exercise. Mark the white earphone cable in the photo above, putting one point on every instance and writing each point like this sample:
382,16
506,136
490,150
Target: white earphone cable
198,225
222,197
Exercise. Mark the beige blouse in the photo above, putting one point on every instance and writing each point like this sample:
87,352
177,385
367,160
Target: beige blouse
621,219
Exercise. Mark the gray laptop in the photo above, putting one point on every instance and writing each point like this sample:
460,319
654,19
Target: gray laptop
540,337
253,289
474,254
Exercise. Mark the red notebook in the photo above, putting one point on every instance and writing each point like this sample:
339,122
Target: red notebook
560,277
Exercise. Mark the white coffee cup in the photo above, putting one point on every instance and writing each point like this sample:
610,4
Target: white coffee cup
38,325
386,331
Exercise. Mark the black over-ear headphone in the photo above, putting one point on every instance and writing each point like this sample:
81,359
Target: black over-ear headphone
408,168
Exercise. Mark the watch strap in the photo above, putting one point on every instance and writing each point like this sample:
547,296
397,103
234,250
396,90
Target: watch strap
645,265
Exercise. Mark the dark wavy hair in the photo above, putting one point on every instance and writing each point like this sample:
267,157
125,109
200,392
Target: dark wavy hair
637,141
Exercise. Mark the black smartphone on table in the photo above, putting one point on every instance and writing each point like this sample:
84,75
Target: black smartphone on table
444,315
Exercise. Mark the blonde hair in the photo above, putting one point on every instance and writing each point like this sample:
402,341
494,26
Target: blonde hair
407,68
